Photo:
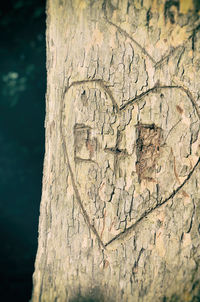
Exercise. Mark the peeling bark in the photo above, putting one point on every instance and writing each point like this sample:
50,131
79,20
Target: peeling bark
119,217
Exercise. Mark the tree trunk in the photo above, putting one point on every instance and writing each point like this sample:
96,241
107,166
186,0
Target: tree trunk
120,210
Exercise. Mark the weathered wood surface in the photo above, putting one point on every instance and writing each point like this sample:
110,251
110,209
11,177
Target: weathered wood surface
120,210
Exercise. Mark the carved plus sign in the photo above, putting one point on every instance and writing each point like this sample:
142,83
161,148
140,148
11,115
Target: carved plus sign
117,153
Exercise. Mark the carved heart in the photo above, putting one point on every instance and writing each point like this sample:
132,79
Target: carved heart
125,162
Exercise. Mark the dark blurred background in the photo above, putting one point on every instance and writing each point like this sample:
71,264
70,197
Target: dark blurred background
22,109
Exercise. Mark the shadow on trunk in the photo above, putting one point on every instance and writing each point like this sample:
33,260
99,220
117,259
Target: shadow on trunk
94,295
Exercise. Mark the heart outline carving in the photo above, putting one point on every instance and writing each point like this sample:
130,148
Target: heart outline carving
103,86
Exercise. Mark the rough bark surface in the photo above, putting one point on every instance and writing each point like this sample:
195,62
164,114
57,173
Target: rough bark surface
120,210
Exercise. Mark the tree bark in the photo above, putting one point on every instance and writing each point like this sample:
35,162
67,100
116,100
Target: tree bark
120,209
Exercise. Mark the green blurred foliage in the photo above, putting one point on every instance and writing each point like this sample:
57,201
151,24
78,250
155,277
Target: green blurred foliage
22,110
22,72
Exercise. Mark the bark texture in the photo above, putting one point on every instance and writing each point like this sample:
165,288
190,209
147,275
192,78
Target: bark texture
120,210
